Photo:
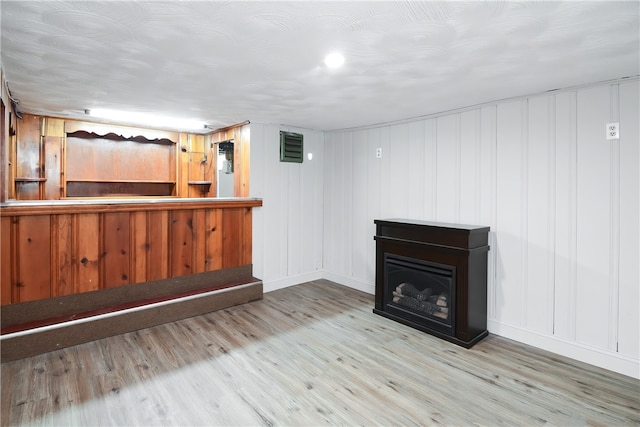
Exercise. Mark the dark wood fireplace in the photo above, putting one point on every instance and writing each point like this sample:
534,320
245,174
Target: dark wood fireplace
433,276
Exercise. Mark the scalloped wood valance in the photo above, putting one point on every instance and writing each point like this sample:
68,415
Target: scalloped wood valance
100,130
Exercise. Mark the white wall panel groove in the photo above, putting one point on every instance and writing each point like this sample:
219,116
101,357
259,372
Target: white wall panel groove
565,269
614,231
593,219
629,218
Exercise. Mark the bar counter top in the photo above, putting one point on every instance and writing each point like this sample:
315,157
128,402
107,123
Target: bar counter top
35,207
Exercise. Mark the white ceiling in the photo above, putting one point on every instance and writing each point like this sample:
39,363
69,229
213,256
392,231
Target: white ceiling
225,62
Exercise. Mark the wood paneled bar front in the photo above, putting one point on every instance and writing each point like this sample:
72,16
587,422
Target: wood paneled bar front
79,270
64,247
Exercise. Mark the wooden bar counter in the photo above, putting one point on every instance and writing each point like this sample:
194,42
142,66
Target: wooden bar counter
66,264
64,247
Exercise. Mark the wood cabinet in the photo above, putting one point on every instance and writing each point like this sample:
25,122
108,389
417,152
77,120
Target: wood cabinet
57,248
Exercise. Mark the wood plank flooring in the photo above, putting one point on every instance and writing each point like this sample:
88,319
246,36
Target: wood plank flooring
312,354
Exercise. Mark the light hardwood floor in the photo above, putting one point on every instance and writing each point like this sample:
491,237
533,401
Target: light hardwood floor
312,354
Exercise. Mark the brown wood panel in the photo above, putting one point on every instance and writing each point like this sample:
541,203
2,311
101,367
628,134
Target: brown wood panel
199,241
64,246
115,251
52,167
106,159
139,247
213,248
243,163
86,238
53,127
211,174
34,258
80,251
27,190
5,163
181,243
246,231
201,166
6,261
182,184
158,245
28,160
232,221
28,147
118,189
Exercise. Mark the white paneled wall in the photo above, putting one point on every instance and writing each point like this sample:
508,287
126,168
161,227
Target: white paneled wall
561,201
287,229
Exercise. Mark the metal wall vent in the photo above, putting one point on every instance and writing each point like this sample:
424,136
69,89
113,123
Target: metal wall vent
291,148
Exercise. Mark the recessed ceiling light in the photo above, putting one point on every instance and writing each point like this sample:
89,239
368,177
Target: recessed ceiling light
334,60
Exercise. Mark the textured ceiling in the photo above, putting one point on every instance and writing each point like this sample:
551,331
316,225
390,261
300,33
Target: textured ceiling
224,62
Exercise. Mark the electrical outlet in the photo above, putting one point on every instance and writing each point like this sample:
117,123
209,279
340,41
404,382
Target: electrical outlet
613,130
379,153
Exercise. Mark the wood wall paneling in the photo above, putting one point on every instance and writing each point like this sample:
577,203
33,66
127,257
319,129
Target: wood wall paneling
213,243
184,148
4,152
115,250
7,259
181,243
54,253
158,245
106,159
28,147
66,254
243,187
53,127
33,258
199,241
52,167
245,242
86,252
139,246
232,221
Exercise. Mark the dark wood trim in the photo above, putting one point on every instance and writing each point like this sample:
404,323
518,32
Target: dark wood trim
101,129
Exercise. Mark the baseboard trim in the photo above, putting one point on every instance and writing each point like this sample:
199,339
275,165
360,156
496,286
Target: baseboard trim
607,360
369,288
274,285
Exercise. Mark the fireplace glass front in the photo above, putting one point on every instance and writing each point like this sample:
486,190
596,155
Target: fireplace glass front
421,291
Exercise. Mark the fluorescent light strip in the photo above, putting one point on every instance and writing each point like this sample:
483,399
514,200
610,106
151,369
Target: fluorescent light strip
150,120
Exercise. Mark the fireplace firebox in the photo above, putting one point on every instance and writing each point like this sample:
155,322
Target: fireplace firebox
433,276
